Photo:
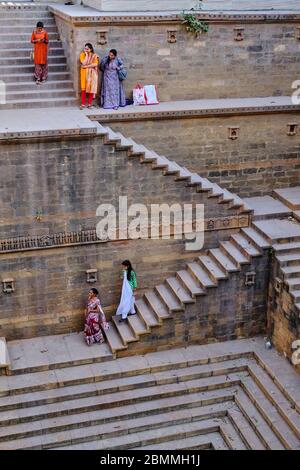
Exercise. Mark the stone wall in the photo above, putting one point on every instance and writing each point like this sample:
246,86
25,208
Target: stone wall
262,158
215,65
283,316
220,315
52,187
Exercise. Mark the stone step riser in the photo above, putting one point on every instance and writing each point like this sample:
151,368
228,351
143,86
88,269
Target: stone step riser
229,255
292,275
295,286
24,38
136,441
134,415
287,251
47,386
135,438
39,93
261,410
28,77
285,263
210,274
30,69
25,52
17,61
4,45
31,86
187,287
118,403
27,22
97,379
164,300
279,409
23,29
41,104
244,249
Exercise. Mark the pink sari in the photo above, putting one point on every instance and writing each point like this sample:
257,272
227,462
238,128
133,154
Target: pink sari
95,320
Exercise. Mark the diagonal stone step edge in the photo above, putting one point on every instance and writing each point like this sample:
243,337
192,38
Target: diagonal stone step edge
216,400
126,426
112,369
276,397
231,436
257,421
161,434
243,427
115,139
285,436
88,388
207,441
121,398
291,394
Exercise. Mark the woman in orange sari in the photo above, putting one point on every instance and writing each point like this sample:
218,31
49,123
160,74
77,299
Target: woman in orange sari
89,75
40,40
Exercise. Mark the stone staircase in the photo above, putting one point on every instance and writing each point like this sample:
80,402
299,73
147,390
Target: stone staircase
188,285
169,167
17,22
218,396
286,248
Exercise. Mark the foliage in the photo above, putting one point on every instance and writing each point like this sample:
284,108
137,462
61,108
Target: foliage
193,24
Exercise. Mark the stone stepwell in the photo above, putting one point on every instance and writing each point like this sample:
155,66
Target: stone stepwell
233,395
16,68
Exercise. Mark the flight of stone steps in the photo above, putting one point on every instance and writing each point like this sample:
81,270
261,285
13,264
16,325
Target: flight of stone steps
189,284
219,396
284,236
17,22
169,167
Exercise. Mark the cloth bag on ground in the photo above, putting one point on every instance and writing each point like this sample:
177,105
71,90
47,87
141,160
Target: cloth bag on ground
150,92
138,95
126,304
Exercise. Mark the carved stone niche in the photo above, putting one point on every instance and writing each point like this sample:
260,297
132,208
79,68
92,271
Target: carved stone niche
297,32
238,34
102,37
91,275
292,128
233,132
8,286
250,278
172,35
278,285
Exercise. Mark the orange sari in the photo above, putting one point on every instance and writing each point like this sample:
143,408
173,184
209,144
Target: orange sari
89,77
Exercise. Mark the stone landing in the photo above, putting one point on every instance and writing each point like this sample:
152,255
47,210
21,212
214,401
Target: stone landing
41,123
234,395
196,108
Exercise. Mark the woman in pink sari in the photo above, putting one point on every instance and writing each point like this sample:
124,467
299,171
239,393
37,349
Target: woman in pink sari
95,319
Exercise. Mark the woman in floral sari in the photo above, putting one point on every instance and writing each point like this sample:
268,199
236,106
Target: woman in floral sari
89,75
95,319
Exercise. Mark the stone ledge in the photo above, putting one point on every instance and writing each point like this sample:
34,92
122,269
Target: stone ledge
196,108
79,15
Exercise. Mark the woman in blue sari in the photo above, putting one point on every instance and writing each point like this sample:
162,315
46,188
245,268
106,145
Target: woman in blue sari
112,88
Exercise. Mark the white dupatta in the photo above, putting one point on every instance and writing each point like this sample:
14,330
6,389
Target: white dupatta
127,298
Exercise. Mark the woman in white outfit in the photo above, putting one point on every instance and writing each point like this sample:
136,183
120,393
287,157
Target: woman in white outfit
126,306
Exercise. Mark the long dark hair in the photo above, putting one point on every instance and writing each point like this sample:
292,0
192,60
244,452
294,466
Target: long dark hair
94,290
129,268
89,45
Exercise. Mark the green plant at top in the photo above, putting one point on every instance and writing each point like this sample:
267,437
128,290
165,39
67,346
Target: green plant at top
193,24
